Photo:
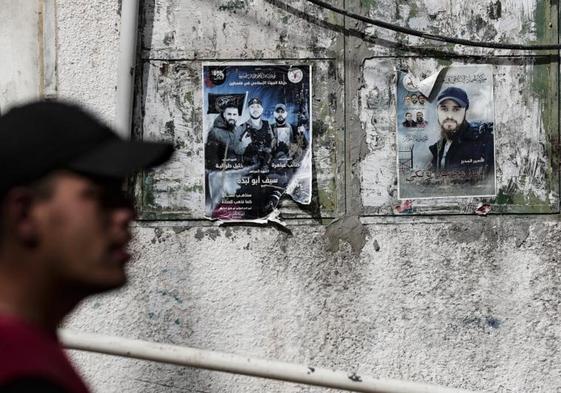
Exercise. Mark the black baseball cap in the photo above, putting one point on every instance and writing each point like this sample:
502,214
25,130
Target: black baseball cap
41,137
254,100
455,94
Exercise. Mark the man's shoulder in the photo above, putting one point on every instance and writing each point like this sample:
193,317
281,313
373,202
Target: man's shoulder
31,385
29,352
434,146
19,339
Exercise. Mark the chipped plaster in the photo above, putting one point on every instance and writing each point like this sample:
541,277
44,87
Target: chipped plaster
463,301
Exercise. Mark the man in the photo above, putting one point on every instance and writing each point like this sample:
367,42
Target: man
64,230
459,147
422,99
256,140
414,99
222,141
409,122
291,142
420,120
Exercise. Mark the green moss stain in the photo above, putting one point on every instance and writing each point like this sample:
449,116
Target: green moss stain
414,10
148,194
544,86
233,6
328,197
518,202
503,198
188,98
543,20
368,3
197,188
327,200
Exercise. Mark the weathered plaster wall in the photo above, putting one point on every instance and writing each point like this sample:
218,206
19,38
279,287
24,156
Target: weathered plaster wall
20,77
463,301
87,44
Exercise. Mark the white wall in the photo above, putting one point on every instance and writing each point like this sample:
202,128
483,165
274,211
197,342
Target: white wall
471,302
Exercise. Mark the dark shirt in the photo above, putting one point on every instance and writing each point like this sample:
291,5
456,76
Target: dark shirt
222,143
31,385
409,123
468,150
260,150
32,357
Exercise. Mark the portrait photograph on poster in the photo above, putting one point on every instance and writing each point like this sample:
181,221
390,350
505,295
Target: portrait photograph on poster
445,142
257,131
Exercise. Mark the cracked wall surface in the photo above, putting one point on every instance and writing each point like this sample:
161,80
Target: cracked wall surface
458,300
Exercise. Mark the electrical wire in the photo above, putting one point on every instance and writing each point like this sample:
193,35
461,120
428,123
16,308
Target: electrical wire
434,37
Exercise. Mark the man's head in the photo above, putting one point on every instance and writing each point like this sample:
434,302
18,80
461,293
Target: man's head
452,105
230,115
407,100
280,114
408,116
64,216
70,228
422,99
255,108
413,98
420,117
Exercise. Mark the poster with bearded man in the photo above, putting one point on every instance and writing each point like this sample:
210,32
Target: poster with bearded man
446,145
258,135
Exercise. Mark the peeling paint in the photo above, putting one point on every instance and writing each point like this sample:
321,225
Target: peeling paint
435,298
494,10
347,229
233,6
355,378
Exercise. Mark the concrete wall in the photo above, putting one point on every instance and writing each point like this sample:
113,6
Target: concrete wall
458,300
28,42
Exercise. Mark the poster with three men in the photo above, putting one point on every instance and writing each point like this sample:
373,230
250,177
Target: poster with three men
445,136
258,136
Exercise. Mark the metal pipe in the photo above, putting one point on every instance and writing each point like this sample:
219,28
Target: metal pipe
126,70
236,364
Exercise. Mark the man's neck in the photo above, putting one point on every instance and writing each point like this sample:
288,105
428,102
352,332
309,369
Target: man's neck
26,296
255,122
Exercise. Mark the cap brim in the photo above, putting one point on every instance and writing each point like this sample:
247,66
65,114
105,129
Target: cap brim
118,158
455,99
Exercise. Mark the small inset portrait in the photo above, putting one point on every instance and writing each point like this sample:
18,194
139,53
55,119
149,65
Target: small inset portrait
407,100
409,122
422,99
414,99
420,119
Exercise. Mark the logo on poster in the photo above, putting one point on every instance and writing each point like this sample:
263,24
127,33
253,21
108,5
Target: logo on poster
295,75
410,83
217,75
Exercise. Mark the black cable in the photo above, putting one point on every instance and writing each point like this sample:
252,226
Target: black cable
434,37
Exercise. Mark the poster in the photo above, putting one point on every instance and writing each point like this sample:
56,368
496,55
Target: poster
445,135
258,138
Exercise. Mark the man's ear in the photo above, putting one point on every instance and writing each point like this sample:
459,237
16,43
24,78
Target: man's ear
19,221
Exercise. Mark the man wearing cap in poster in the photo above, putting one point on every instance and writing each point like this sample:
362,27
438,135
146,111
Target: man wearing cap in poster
64,232
259,148
460,146
291,143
